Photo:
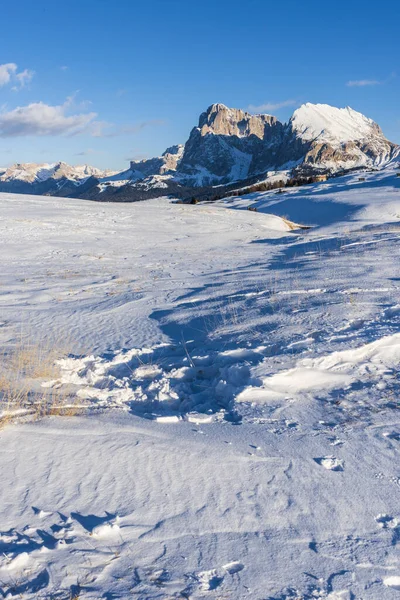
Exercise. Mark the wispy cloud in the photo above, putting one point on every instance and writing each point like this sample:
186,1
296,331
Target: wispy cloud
270,106
6,72
23,79
363,82
109,130
87,152
366,82
9,74
64,68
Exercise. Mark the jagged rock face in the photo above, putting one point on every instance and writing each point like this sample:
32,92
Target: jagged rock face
368,153
221,120
229,144
168,161
171,158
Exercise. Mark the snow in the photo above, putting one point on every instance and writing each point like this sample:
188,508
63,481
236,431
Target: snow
241,165
240,432
370,362
330,124
393,582
113,183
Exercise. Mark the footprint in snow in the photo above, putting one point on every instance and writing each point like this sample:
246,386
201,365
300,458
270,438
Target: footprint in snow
386,521
41,513
209,580
331,463
392,435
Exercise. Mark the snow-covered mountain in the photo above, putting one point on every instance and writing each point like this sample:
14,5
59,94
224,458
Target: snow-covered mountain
32,172
47,177
332,125
228,145
339,138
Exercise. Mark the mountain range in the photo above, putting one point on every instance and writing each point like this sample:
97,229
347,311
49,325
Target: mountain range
228,148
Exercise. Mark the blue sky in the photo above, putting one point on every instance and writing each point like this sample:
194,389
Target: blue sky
100,82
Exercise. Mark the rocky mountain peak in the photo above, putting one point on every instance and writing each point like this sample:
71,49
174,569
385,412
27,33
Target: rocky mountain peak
221,120
174,150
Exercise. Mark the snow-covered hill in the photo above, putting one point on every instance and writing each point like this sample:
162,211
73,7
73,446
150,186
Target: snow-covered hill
239,379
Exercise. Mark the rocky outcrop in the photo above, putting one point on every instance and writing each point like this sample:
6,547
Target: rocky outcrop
161,165
229,144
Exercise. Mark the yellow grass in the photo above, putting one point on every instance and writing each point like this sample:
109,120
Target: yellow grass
293,226
23,369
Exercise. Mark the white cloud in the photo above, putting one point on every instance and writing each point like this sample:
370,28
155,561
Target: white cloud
270,106
362,82
41,119
9,74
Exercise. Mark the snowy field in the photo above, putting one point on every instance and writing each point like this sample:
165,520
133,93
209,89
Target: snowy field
241,431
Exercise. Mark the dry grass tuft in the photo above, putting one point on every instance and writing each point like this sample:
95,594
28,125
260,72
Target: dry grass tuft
293,226
23,369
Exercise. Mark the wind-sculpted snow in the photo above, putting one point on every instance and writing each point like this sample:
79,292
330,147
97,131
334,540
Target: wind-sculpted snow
238,384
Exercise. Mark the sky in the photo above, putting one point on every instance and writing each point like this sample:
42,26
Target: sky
103,82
